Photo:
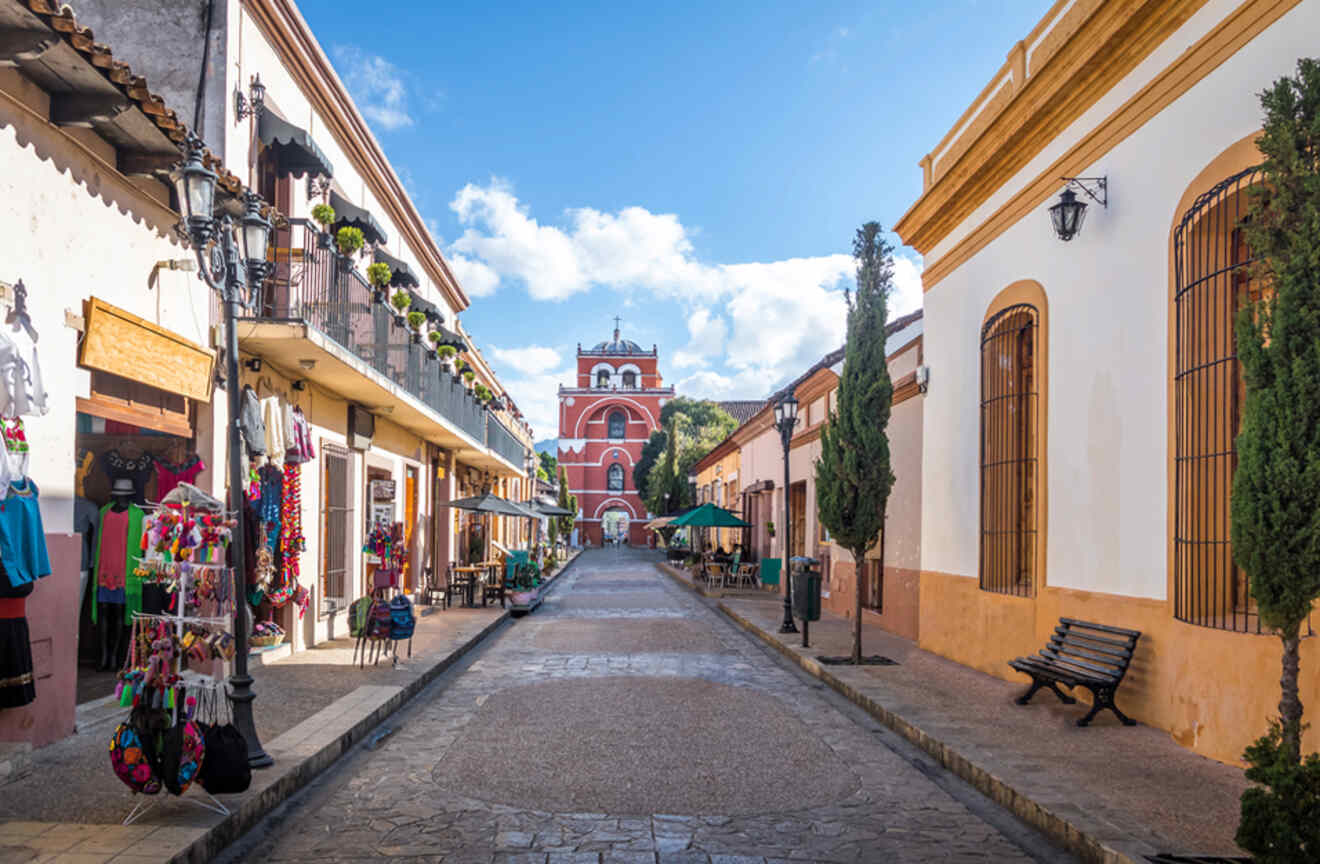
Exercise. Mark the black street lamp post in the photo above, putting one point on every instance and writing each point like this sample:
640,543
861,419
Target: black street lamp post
228,269
785,419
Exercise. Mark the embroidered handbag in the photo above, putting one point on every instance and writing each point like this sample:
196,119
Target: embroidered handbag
133,756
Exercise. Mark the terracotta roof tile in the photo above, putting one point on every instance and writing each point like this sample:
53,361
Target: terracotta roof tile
62,20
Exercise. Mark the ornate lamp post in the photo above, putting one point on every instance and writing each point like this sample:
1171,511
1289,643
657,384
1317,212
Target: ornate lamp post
785,419
228,265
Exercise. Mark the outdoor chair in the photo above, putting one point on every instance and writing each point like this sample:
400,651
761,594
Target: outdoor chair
433,586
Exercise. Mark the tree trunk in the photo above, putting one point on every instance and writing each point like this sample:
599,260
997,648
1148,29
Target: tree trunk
1290,704
859,562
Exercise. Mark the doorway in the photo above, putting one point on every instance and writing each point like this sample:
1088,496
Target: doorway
797,508
614,526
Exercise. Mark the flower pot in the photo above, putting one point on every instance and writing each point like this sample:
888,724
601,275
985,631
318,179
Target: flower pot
448,366
324,239
378,295
401,321
416,338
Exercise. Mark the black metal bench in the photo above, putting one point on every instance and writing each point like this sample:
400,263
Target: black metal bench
1082,654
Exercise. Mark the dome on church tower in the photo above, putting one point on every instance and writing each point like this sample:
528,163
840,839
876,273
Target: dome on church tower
618,346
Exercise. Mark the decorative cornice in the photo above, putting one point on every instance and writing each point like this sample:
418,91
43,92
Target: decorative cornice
1089,48
294,42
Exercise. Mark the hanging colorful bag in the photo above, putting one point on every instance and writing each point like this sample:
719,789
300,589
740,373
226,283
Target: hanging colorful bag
132,754
359,612
181,756
402,619
378,626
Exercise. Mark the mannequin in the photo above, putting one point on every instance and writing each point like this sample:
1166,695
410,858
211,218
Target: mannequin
117,553
86,519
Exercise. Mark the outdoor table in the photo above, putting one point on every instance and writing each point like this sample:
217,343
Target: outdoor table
471,573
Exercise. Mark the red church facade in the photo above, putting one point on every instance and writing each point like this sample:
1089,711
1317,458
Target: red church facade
604,420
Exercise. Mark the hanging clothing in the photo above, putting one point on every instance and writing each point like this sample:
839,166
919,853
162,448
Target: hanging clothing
169,475
130,551
302,449
17,682
250,423
14,454
21,388
86,519
272,415
22,538
111,572
85,466
292,541
137,469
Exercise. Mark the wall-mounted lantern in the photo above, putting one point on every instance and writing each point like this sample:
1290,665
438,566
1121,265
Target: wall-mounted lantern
255,102
1068,215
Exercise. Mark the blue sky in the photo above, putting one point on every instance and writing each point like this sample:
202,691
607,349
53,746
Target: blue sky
697,168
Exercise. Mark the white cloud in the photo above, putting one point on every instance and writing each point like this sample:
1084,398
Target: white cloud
753,325
907,296
377,86
474,277
531,360
708,334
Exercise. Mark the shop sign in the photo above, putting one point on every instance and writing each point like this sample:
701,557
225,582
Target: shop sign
382,490
123,344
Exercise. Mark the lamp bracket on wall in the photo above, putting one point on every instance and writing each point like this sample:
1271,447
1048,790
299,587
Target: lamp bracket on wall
1096,188
252,105
254,364
317,187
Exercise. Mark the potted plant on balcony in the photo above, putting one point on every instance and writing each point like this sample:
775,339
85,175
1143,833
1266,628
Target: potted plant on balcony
417,320
401,301
350,241
446,354
324,215
379,275
468,377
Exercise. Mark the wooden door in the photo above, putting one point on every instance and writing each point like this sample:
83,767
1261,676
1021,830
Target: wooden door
409,526
797,505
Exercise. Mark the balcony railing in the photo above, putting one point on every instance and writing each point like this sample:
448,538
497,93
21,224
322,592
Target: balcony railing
323,289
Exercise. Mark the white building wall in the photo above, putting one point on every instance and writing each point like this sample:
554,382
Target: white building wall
1108,312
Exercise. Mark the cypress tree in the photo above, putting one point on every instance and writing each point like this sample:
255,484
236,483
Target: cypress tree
1276,487
853,476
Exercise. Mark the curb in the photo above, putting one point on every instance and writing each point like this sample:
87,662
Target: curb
249,812
1059,829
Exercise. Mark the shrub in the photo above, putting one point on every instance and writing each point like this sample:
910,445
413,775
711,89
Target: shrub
350,240
468,375
416,319
446,352
379,274
401,300
324,214
434,336
1280,817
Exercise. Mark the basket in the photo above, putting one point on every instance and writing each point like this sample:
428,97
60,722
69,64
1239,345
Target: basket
266,641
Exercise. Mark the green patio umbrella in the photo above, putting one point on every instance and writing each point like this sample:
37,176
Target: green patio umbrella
709,516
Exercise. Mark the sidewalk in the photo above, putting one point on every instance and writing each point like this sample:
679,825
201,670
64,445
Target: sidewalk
1109,793
311,707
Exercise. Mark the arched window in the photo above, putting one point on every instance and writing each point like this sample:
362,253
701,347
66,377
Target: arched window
603,378
1009,417
1212,277
618,424
615,478
629,379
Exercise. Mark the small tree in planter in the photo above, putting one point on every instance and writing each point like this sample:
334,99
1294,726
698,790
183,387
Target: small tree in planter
401,301
350,241
324,215
379,276
417,320
446,354
468,377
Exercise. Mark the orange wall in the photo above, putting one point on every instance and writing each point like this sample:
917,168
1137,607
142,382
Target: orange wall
1213,690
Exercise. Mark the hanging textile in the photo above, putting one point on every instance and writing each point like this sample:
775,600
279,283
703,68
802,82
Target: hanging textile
17,685
124,550
292,538
169,475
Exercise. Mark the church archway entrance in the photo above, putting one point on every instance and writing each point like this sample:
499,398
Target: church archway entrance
614,526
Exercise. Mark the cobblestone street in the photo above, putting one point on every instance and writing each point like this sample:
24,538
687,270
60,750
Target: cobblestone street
627,721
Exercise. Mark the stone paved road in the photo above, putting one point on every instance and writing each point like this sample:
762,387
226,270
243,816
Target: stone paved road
626,721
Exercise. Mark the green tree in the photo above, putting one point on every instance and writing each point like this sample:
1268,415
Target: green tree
690,429
568,502
549,463
652,450
1276,487
853,476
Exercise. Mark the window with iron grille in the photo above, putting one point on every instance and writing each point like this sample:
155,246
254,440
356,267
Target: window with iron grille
336,523
1212,279
1009,418
615,478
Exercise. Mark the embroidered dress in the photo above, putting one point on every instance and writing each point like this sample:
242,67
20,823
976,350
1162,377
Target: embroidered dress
137,469
292,539
22,538
14,455
169,475
17,683
112,572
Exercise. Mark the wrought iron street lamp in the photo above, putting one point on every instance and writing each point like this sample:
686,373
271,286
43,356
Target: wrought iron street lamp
785,419
1069,213
229,265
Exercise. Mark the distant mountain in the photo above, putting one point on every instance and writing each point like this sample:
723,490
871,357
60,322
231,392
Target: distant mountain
549,445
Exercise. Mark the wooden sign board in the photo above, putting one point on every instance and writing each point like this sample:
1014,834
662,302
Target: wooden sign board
123,344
